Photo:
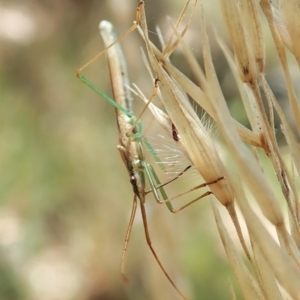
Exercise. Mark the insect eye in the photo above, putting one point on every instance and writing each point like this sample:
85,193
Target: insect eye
133,180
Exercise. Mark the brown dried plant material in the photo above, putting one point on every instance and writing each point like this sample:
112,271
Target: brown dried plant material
246,39
239,40
241,154
290,195
279,37
196,141
243,88
245,97
252,26
199,96
265,275
169,48
290,12
252,175
237,148
282,265
194,138
231,290
282,261
259,120
247,282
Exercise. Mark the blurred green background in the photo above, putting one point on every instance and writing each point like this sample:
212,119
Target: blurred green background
65,195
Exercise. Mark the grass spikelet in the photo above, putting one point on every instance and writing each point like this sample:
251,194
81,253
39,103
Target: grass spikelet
239,40
290,11
247,283
194,138
180,114
198,93
272,265
271,16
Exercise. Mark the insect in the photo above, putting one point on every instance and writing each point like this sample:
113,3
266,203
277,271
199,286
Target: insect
131,142
189,131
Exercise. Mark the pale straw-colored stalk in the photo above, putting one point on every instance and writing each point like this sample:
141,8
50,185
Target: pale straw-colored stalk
196,141
272,265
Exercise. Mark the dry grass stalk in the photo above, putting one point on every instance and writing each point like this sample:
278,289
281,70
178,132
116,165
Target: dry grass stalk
272,264
196,141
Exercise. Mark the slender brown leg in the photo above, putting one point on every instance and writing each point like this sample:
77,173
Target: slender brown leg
147,235
198,198
127,237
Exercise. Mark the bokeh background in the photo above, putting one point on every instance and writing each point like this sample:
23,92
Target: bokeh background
65,197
